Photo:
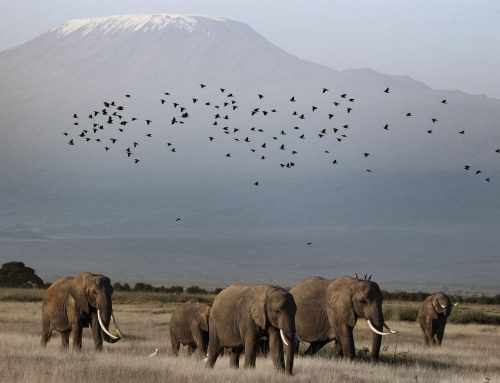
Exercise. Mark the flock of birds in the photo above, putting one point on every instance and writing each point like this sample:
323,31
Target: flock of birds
111,117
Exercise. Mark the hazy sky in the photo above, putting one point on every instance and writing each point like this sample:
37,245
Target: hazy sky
448,44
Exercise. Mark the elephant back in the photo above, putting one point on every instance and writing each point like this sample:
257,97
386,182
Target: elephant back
183,317
311,319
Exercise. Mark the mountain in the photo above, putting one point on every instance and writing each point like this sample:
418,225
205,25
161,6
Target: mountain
418,218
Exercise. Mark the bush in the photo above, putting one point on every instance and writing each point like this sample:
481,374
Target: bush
175,290
400,313
196,290
16,274
473,316
21,295
117,286
143,287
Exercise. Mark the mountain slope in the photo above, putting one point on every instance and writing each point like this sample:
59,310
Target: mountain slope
418,192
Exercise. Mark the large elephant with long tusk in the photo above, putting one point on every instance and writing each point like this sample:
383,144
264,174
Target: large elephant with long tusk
70,304
241,315
432,316
328,309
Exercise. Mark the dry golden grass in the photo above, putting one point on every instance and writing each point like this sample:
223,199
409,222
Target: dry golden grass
470,353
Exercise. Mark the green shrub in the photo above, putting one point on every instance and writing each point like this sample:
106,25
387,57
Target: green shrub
464,316
21,295
400,313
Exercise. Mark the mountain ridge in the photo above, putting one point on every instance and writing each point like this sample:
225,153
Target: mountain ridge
417,179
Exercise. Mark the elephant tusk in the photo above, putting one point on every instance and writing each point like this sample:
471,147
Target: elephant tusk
116,326
442,306
104,328
389,329
375,330
283,337
455,304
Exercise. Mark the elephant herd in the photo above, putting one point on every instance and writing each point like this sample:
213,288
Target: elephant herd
316,311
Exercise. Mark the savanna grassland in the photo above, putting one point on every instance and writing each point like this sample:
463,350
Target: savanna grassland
470,352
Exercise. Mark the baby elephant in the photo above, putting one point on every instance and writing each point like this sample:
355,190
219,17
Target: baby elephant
432,315
189,327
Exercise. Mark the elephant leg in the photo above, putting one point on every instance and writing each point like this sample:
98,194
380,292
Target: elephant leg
65,339
314,347
263,347
426,334
337,350
440,332
347,342
191,348
214,348
250,351
204,343
199,341
46,330
234,357
96,333
77,337
434,329
276,349
175,345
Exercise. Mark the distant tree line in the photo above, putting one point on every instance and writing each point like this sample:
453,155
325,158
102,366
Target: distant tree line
146,287
18,275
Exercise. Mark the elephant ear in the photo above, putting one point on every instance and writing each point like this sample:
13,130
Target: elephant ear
257,306
341,300
77,291
433,309
203,318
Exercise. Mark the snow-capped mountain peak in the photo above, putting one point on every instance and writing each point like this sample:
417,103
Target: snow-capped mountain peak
135,22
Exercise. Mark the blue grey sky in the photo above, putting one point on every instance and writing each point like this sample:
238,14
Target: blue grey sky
448,44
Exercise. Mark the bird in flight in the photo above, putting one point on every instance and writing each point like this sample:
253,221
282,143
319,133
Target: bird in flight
387,90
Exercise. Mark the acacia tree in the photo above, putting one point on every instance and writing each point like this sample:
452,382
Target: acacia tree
16,274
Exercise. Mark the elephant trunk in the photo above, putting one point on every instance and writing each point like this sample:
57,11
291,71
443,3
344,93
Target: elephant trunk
105,317
287,332
376,323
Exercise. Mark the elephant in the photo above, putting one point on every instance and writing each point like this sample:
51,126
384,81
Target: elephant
241,315
189,327
328,309
432,316
70,304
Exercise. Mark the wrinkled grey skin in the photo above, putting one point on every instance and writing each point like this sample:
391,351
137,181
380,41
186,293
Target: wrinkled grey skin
241,315
432,317
189,327
70,304
328,309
